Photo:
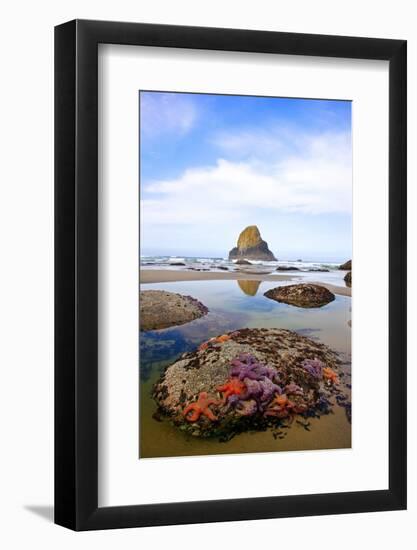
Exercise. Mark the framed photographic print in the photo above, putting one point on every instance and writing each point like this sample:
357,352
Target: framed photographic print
230,274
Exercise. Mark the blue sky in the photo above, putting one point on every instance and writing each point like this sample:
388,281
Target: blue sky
211,165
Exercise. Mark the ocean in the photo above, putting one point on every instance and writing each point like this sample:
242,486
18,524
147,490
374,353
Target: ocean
309,270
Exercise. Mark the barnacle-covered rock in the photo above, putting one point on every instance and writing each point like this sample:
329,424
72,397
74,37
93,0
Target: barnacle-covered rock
160,309
301,295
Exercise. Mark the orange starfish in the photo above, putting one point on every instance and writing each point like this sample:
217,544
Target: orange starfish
215,340
282,407
330,375
200,407
234,386
222,338
281,400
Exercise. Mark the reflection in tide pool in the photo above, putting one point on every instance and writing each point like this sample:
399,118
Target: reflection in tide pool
249,287
234,305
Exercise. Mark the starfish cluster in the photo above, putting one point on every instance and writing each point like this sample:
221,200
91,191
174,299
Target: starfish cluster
247,366
253,387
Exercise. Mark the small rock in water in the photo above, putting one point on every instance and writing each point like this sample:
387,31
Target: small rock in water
348,278
287,268
301,295
160,309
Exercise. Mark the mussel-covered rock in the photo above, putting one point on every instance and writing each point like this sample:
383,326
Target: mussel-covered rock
160,309
246,380
301,295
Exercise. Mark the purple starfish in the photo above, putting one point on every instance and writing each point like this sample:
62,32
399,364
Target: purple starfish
313,367
268,372
246,408
294,389
269,389
247,366
262,391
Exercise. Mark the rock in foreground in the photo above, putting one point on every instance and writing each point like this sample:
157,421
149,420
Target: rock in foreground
160,309
248,379
301,295
250,246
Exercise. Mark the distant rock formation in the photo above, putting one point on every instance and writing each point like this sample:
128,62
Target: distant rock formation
287,268
347,266
348,278
250,246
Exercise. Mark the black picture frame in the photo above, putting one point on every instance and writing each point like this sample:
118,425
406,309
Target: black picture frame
76,272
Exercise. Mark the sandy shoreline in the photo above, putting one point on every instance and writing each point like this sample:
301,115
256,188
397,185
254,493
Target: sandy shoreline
148,276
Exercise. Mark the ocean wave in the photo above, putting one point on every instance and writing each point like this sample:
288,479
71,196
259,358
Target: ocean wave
301,265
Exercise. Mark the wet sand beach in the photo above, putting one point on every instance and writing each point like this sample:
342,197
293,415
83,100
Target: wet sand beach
148,276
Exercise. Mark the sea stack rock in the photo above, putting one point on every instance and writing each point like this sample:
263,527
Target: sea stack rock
250,246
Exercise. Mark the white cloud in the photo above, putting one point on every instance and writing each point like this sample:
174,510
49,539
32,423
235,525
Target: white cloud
166,112
274,142
316,178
